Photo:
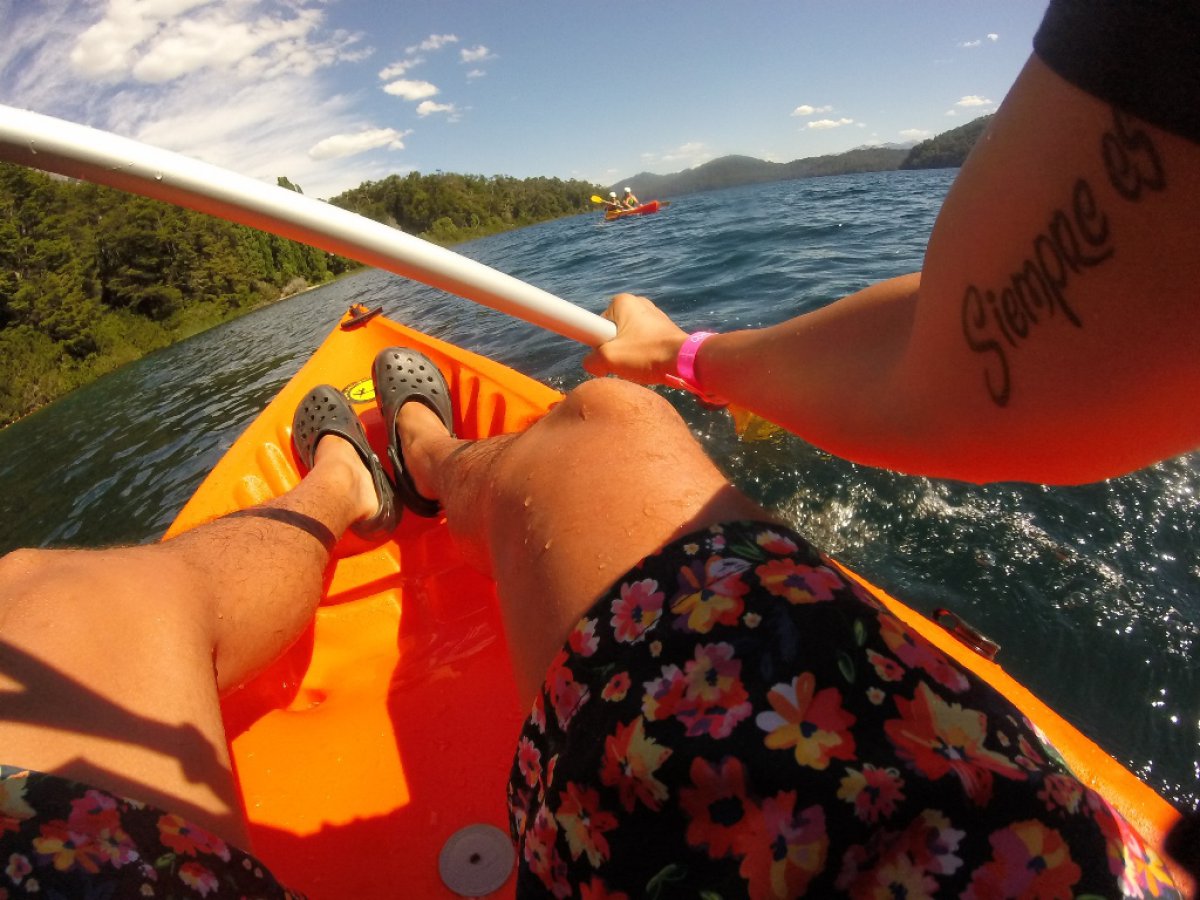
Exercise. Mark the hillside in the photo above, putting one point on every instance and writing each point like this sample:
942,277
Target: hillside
947,150
732,171
91,278
448,208
950,148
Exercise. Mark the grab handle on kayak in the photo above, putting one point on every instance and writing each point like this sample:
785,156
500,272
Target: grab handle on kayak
966,634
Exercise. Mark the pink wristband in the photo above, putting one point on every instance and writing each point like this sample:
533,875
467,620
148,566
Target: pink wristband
685,365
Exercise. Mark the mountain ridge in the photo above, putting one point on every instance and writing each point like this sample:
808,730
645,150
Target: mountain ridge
945,150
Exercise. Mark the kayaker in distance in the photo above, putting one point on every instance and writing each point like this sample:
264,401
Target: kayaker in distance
631,201
612,203
700,710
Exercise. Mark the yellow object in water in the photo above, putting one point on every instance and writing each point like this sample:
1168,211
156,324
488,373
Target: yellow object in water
752,427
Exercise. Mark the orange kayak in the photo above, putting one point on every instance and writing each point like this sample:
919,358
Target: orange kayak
391,725
651,207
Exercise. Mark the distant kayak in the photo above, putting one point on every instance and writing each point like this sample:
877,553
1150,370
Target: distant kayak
652,207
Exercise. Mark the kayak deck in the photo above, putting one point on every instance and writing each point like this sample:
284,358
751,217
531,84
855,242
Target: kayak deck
392,722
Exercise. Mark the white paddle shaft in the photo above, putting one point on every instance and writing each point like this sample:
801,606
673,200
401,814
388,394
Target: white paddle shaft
53,145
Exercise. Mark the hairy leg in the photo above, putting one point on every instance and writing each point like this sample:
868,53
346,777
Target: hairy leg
557,513
112,661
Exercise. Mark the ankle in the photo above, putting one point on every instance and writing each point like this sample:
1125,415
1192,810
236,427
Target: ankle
339,466
425,443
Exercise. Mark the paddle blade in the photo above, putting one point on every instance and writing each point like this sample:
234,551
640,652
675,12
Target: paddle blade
751,427
597,199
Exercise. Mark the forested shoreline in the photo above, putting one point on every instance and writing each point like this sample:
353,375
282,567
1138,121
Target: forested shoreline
92,278
448,208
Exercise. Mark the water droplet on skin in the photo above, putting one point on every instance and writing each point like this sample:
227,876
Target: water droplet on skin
548,543
528,500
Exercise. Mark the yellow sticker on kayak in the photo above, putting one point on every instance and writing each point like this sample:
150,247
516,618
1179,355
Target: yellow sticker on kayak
360,391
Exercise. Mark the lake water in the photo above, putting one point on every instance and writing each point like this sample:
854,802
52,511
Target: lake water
1093,592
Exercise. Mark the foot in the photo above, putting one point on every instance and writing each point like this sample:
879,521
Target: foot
402,375
325,412
336,456
425,443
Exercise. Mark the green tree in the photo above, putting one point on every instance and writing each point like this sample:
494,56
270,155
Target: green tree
91,278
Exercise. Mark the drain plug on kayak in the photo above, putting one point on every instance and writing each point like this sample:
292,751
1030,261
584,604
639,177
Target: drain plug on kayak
476,860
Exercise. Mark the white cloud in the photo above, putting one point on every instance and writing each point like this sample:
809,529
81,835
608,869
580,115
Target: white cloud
991,37
806,110
915,134
35,68
823,124
687,156
158,41
428,108
410,90
431,43
684,151
396,69
475,54
971,101
109,45
259,133
255,103
341,145
475,73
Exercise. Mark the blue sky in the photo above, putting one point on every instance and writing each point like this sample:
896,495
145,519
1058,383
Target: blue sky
335,92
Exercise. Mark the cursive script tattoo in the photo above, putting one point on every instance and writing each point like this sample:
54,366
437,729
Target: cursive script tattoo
1130,159
997,322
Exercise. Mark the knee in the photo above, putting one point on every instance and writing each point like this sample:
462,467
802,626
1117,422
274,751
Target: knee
26,575
24,567
116,573
606,401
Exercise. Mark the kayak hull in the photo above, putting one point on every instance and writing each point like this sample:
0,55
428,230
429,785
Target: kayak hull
392,722
645,209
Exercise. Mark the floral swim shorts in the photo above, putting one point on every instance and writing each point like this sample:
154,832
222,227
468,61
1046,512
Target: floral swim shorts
61,838
735,717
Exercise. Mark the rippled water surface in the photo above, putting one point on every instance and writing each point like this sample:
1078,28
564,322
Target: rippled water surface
1092,591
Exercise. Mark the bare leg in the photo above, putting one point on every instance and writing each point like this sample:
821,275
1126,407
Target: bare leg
112,661
560,511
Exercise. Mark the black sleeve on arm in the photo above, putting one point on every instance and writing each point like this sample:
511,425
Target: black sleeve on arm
1143,57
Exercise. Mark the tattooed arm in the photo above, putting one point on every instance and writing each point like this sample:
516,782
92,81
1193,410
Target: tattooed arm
1050,336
